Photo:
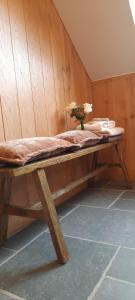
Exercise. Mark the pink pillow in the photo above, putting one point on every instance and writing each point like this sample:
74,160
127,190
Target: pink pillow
82,138
20,151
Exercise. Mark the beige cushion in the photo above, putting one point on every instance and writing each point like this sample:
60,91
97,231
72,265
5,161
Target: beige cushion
82,138
28,149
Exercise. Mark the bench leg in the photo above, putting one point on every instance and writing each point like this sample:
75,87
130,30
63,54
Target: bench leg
5,192
122,165
51,216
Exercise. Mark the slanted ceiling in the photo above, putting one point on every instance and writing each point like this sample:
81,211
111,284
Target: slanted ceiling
103,33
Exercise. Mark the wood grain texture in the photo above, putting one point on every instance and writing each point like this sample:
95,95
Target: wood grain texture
22,69
47,67
5,195
115,98
35,63
41,73
56,39
9,102
51,217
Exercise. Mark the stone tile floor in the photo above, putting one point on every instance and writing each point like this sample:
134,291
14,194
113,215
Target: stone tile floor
99,228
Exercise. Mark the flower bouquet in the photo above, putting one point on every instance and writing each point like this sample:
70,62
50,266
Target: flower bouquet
79,111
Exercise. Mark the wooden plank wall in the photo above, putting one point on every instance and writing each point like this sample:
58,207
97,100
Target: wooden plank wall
115,98
40,73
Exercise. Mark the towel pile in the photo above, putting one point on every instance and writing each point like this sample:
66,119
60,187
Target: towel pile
104,126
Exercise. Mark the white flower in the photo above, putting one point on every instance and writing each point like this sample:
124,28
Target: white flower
87,107
71,106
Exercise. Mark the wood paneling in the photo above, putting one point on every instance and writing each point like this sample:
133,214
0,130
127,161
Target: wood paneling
22,67
115,98
11,128
41,73
47,67
35,63
57,58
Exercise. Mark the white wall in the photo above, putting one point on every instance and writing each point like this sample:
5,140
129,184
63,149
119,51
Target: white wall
103,33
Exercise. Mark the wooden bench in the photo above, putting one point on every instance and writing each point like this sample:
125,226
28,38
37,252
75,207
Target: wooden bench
48,211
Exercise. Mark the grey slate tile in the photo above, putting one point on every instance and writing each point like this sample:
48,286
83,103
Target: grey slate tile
64,208
114,290
109,226
26,235
5,254
128,195
35,274
123,266
6,297
95,197
124,204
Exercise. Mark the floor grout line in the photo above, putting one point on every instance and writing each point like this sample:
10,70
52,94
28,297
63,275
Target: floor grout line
62,218
106,208
72,210
87,205
34,239
90,240
6,248
128,248
66,215
127,210
12,296
97,286
133,199
96,242
22,248
117,198
120,280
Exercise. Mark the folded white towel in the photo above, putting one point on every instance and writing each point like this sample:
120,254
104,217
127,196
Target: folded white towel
97,128
115,131
92,127
104,124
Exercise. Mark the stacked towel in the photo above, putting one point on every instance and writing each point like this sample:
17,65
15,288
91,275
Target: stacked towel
103,126
103,123
99,126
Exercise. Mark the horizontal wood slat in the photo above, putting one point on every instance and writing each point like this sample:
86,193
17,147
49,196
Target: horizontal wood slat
14,210
76,183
